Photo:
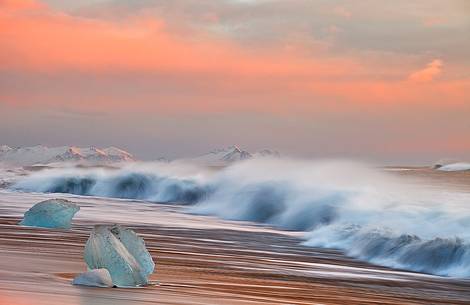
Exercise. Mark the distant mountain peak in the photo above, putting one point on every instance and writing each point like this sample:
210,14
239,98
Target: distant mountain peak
232,154
235,148
40,154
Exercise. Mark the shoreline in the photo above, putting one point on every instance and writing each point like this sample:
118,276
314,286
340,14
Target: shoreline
200,260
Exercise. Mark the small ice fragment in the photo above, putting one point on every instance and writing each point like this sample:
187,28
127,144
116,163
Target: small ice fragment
120,251
52,213
454,167
94,278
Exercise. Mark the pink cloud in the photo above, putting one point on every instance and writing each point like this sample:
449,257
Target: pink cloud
428,74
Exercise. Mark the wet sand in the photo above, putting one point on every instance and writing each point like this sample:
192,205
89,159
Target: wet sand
200,260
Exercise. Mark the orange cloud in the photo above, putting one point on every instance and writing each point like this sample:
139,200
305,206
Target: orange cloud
417,89
50,41
20,4
432,70
36,40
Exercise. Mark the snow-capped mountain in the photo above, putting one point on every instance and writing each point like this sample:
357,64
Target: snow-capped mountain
41,154
232,154
223,155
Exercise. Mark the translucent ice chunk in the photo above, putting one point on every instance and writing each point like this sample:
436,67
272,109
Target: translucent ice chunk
120,251
95,278
52,213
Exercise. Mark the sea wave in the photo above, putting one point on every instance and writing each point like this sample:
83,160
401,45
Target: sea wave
365,212
156,183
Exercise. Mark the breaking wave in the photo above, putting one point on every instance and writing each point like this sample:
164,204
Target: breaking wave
365,212
157,183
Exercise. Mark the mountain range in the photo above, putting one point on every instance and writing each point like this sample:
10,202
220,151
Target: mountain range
41,154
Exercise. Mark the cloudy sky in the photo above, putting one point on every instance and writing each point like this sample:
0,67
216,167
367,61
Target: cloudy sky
387,81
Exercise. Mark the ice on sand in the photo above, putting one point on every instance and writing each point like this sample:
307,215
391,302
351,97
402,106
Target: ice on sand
94,278
52,213
122,252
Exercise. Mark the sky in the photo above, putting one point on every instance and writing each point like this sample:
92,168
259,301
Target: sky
385,81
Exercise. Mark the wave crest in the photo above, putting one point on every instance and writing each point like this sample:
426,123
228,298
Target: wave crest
125,183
